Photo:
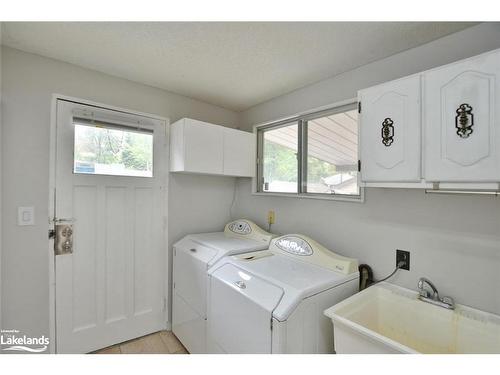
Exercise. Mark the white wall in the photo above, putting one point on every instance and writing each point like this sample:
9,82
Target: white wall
198,203
1,178
453,240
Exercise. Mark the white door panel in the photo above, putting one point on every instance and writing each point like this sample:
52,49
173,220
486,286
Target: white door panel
110,289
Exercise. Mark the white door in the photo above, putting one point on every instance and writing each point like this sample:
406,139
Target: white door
390,131
110,190
462,121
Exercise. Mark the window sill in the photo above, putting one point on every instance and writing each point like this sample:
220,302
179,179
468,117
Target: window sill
342,198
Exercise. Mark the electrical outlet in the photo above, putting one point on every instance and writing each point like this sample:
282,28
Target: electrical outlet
403,256
271,217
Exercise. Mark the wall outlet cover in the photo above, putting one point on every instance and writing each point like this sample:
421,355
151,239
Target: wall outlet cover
403,255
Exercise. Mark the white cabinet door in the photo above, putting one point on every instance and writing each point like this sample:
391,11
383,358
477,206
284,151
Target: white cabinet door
462,121
196,147
203,147
390,131
239,153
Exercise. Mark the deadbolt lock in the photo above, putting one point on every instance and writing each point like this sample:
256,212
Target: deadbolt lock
63,243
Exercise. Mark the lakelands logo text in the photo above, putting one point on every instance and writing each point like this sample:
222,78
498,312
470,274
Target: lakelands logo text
13,340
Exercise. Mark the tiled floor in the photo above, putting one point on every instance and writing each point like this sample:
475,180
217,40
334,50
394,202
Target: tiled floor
163,342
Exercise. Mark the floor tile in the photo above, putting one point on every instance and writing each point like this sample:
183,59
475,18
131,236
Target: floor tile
115,349
173,344
151,344
182,351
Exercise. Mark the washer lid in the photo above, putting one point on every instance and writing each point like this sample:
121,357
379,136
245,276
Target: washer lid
226,245
298,279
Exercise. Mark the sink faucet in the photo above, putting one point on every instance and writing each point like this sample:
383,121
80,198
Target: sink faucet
433,296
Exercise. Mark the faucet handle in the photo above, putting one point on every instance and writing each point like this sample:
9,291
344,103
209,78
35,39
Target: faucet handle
424,293
448,300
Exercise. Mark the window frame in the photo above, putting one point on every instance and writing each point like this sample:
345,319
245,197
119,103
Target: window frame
97,122
302,156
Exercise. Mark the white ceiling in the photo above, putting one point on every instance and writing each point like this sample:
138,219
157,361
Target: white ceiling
233,65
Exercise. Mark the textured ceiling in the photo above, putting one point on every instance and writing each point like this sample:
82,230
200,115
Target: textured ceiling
233,65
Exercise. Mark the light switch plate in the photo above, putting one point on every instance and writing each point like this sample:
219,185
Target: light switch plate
26,216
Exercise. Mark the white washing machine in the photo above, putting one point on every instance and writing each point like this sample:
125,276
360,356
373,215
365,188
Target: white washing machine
193,255
272,301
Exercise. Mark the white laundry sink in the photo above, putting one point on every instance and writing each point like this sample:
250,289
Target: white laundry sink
389,319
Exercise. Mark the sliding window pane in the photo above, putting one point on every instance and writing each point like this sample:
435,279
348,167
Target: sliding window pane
280,166
332,154
113,151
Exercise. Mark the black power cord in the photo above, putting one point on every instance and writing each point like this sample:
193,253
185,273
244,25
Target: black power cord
398,266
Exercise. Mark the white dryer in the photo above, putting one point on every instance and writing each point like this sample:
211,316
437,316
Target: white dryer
272,301
193,255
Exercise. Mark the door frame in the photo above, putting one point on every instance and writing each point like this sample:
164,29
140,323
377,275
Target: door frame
51,204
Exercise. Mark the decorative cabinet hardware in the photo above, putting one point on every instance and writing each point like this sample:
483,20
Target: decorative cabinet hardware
387,132
63,243
464,120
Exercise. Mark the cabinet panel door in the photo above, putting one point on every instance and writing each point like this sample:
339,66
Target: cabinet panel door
461,114
239,153
203,147
390,132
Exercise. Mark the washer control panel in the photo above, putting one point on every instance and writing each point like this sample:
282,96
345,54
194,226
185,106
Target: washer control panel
294,245
306,249
240,227
243,228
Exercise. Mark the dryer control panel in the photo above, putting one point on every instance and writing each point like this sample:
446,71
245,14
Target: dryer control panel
243,228
306,249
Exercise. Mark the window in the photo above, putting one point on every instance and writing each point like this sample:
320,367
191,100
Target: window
280,169
108,149
315,154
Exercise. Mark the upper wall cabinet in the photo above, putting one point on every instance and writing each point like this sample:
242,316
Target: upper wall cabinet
390,131
462,121
200,147
239,153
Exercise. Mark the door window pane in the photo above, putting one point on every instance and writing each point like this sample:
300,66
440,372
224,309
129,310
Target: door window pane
113,151
332,154
280,166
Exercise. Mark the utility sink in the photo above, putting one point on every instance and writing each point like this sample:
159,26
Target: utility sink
389,319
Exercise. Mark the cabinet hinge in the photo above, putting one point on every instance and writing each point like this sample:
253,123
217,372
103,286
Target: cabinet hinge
359,165
164,303
174,286
359,107
271,324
